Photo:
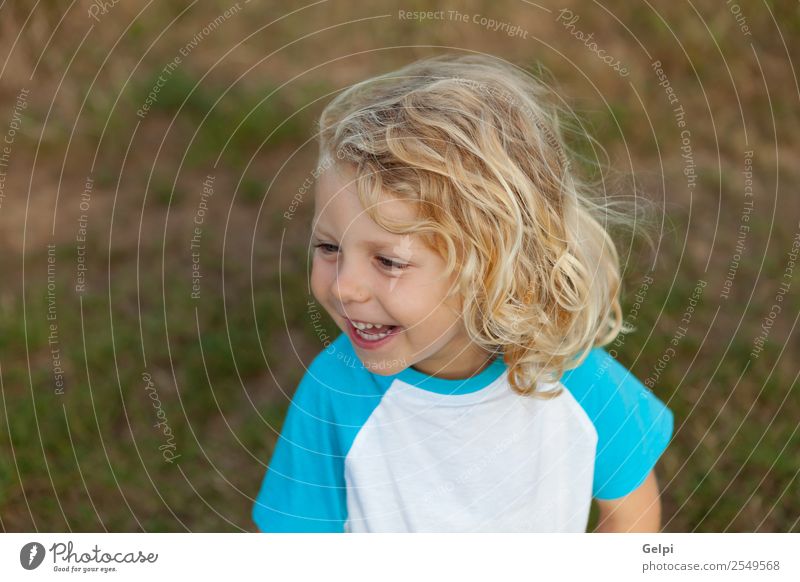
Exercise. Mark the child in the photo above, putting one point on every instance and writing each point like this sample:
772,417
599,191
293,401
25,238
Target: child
463,259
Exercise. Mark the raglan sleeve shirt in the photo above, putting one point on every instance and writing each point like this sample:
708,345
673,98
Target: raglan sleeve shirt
304,488
633,425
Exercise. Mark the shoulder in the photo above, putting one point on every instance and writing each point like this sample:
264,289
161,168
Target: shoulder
323,400
335,368
599,379
336,386
334,357
633,425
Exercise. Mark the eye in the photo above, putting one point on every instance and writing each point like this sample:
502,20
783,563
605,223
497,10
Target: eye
392,265
326,248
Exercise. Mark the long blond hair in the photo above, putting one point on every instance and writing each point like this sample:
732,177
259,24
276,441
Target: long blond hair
477,144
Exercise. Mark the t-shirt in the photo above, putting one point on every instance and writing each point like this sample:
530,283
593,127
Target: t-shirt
409,452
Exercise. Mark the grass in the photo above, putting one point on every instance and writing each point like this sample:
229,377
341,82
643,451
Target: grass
110,414
234,117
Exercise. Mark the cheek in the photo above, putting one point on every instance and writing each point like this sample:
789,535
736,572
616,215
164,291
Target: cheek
438,315
321,279
402,297
421,308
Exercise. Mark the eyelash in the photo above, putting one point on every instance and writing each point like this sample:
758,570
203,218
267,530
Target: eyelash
386,263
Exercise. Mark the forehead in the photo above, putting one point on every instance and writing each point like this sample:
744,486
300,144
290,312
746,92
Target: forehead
336,200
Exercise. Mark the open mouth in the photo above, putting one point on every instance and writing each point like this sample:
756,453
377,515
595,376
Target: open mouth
371,334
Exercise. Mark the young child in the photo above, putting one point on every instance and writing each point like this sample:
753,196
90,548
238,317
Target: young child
475,284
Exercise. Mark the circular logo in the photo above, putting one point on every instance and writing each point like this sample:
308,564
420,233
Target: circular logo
31,555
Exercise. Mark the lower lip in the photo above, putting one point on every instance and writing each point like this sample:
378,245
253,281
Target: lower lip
367,344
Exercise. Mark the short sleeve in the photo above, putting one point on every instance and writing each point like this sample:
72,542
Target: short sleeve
303,489
633,426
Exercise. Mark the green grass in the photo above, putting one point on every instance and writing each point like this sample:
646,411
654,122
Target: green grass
119,413
241,118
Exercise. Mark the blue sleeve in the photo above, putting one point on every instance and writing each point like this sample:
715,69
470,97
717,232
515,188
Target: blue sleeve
304,489
633,426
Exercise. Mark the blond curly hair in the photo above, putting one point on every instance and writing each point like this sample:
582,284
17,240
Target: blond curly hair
479,145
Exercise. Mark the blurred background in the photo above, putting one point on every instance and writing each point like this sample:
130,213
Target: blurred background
155,196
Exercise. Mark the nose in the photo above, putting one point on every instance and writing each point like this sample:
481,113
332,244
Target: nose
350,285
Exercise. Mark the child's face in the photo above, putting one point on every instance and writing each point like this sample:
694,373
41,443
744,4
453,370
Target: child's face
362,273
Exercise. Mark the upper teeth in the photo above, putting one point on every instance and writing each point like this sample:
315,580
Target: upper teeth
363,326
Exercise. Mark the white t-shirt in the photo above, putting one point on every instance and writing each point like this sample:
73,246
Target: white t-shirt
360,452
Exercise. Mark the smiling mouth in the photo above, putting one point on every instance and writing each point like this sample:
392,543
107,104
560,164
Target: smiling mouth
387,330
371,331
